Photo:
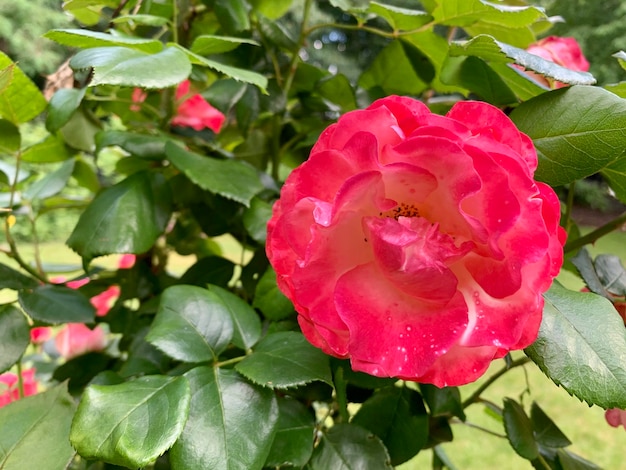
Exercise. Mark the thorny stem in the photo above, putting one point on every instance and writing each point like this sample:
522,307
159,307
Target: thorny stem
475,397
596,234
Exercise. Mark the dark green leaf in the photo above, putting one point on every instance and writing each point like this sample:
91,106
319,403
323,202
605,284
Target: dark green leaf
130,67
615,174
270,300
131,424
577,131
86,176
547,433
229,178
110,224
140,145
49,150
580,346
21,100
349,447
571,461
271,8
231,423
80,370
443,401
208,44
398,417
15,280
191,325
255,219
246,322
51,184
293,442
85,38
209,270
338,90
276,34
519,430
35,431
611,273
587,270
14,336
57,304
10,138
232,15
80,131
283,360
62,105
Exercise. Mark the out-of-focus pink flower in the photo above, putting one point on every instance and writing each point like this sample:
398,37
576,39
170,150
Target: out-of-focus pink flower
76,339
138,96
418,245
71,284
126,262
9,388
105,300
562,51
616,417
40,334
195,112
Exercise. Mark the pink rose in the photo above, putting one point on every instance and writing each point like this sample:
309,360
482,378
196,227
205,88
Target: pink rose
616,417
138,96
40,334
126,261
418,245
9,388
76,339
195,112
105,300
562,51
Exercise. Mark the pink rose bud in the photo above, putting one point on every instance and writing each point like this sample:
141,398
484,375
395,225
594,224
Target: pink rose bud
76,339
616,417
195,112
105,300
138,96
40,334
418,245
9,390
126,261
562,51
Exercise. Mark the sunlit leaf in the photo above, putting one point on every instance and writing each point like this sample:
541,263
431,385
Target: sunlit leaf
85,38
14,336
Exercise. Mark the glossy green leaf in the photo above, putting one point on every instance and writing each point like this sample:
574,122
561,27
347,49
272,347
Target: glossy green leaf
400,18
293,442
584,265
231,423
615,174
10,138
571,461
444,401
349,447
285,359
35,431
519,430
272,9
131,424
80,130
147,20
398,417
232,15
255,219
246,322
207,44
547,433
209,270
110,224
338,90
232,179
140,145
6,76
611,273
580,346
85,38
276,34
21,100
61,107
50,184
270,300
50,150
14,336
469,12
86,176
130,67
57,304
15,280
191,325
577,131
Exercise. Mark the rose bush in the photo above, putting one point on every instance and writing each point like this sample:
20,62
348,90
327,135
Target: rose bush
418,245
194,111
76,339
562,51
9,388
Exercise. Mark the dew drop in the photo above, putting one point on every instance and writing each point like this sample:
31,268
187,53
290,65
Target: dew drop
408,328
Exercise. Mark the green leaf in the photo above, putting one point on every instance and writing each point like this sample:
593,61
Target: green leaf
285,359
140,145
232,15
580,346
584,265
571,461
50,184
270,300
546,432
15,280
349,447
400,18
21,100
470,12
86,176
272,9
611,273
85,38
210,269
246,322
444,401
131,424
621,58
12,174
61,107
6,76
191,325
255,219
50,150
293,442
35,431
130,67
398,417
80,131
147,20
232,179
14,336
231,423
57,304
110,222
577,131
207,44
615,173
10,138
338,90
276,33
519,430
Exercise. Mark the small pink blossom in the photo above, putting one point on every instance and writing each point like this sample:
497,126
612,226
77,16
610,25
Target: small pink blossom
195,112
9,387
138,96
562,51
126,261
40,334
616,417
105,300
76,339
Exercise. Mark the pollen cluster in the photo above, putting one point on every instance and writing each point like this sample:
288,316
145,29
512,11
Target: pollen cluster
402,210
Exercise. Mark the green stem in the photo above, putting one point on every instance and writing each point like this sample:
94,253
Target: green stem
570,205
175,21
20,379
476,426
596,234
369,29
228,362
475,397
293,66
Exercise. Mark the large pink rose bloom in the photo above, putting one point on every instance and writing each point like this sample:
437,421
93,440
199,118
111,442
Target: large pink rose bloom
418,245
562,51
